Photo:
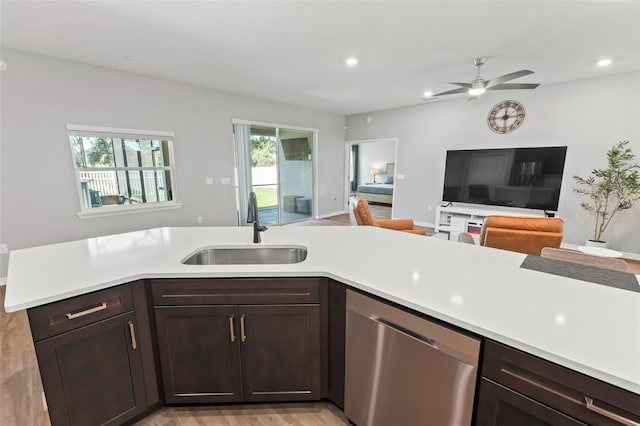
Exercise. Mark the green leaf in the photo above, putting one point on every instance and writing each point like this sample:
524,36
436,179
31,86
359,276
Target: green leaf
611,189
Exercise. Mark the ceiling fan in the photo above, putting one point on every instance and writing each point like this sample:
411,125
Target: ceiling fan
479,85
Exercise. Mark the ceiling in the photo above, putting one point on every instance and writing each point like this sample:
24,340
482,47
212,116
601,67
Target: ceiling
293,51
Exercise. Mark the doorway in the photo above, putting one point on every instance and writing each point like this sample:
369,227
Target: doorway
370,162
277,163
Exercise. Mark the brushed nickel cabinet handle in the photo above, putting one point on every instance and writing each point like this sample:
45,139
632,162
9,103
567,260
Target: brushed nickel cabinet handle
588,401
132,331
606,413
539,385
100,307
243,336
231,332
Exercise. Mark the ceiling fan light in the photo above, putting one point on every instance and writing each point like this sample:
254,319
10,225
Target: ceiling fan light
477,91
351,61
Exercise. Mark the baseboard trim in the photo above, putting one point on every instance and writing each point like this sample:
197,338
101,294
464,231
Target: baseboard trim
3,281
326,215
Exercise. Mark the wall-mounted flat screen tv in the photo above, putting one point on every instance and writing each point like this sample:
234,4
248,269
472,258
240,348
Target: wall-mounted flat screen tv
296,149
515,177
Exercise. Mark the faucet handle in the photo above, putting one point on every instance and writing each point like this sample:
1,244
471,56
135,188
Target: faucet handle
252,208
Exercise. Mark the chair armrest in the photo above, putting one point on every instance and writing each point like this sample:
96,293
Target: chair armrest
396,224
414,231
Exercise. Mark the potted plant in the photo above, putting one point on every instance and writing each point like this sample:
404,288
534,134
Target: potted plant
610,190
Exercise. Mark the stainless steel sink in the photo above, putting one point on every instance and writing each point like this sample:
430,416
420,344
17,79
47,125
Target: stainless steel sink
247,255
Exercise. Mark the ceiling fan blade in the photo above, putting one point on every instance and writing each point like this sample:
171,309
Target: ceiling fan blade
453,92
467,85
511,76
514,86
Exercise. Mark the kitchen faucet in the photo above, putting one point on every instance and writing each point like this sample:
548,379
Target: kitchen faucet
252,217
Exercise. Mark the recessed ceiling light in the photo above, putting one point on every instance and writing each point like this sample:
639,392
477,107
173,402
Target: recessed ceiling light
351,61
604,62
130,58
427,94
3,64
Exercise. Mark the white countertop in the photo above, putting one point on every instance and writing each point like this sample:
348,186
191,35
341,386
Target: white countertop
587,327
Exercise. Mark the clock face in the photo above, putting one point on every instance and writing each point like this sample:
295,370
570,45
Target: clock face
506,116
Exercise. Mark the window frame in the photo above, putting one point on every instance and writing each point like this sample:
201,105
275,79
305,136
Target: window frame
122,133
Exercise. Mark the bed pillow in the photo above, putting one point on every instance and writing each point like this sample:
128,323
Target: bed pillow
388,179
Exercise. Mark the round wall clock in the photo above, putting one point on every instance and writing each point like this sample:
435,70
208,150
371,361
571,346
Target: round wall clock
506,116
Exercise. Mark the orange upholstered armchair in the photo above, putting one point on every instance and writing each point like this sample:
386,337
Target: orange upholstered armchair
522,234
364,218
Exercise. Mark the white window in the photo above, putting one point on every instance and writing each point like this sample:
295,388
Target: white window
122,170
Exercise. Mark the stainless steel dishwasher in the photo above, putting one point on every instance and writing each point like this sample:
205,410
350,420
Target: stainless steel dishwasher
403,370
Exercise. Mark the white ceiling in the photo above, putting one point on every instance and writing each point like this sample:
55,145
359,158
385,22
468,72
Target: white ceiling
293,51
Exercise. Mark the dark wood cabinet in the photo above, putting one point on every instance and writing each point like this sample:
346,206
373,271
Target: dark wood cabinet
261,339
199,353
280,352
262,344
93,375
520,389
91,352
336,330
501,406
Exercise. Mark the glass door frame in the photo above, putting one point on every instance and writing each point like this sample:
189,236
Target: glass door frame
242,168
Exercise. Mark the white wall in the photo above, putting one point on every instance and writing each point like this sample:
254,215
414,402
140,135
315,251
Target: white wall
40,95
588,116
375,154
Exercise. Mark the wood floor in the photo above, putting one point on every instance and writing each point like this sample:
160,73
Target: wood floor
378,212
317,413
20,385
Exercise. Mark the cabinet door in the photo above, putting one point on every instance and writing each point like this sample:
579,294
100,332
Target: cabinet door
280,347
500,406
93,375
199,353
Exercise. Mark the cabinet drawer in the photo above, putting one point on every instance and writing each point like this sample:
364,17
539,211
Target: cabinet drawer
561,388
69,314
221,291
500,406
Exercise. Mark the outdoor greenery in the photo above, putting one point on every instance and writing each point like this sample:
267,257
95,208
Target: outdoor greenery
267,197
101,153
263,151
612,189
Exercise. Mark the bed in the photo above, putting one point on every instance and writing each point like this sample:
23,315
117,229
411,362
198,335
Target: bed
379,192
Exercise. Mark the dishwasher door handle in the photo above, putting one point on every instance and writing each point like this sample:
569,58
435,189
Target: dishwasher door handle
434,344
386,323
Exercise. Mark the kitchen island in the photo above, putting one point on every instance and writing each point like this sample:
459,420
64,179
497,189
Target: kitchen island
588,328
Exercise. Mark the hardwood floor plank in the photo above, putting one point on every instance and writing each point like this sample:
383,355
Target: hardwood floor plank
317,413
20,384
378,212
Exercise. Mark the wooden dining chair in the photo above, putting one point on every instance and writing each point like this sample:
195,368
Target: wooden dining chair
575,256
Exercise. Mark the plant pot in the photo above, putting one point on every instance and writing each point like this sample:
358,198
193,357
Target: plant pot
592,243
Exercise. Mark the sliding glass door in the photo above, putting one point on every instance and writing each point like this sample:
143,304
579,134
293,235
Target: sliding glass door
277,164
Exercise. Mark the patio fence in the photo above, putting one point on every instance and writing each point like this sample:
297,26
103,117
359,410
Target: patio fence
107,183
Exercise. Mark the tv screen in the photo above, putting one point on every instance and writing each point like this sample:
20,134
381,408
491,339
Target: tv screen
516,177
296,149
